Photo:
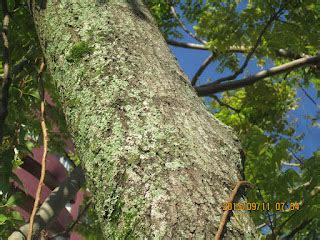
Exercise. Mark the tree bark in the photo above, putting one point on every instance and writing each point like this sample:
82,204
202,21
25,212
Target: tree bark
157,162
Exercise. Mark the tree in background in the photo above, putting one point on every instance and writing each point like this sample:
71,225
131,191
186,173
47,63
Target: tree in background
157,163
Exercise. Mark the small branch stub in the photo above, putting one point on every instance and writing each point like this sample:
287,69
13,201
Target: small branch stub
227,213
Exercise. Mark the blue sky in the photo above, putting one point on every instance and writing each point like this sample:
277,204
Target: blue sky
190,60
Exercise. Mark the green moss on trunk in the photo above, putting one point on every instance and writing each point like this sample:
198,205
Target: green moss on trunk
159,165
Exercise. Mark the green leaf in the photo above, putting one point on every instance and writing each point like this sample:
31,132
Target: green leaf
16,215
3,219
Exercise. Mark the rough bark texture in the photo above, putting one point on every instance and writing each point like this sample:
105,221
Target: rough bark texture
158,163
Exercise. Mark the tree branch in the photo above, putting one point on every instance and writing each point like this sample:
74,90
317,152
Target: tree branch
297,229
308,95
254,48
276,217
291,164
71,227
175,15
296,157
23,62
288,54
45,151
271,225
226,214
279,52
203,66
6,81
52,206
315,191
224,104
212,88
187,45
197,46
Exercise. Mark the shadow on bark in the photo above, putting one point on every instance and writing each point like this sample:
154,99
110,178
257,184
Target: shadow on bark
137,9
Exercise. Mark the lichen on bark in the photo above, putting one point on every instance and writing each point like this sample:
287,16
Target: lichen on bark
158,163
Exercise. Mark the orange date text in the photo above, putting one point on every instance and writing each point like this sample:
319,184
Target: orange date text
260,206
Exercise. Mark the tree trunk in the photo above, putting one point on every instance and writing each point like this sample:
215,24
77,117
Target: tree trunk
157,162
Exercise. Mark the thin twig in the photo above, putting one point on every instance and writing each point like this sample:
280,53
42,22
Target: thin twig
276,217
296,157
308,95
45,150
71,227
268,215
261,226
174,13
297,229
84,210
23,62
291,164
289,23
224,104
196,46
187,45
252,51
288,54
6,82
305,186
289,218
226,214
203,66
313,193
